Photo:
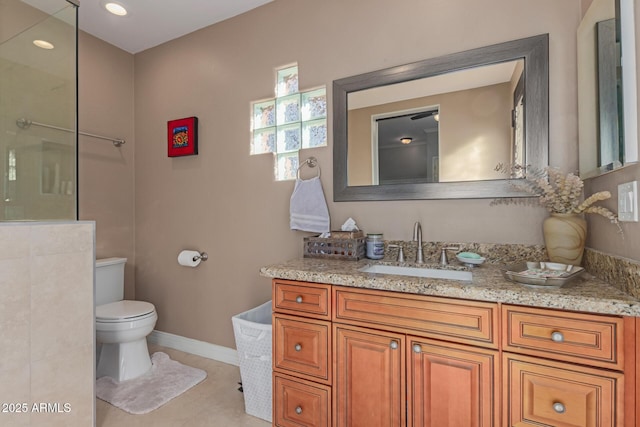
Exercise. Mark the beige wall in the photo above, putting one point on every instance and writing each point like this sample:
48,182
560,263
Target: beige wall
225,201
46,322
106,186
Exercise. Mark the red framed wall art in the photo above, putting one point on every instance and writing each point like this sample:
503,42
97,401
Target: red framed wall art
182,137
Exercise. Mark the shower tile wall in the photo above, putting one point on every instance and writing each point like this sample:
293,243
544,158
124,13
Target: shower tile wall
47,357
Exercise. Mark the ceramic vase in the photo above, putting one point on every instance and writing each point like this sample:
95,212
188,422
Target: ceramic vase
564,237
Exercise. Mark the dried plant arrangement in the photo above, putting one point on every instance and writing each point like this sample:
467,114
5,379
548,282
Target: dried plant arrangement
555,191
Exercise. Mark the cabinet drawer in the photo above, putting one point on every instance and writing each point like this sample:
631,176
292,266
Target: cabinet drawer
559,394
300,403
301,347
303,299
575,337
448,319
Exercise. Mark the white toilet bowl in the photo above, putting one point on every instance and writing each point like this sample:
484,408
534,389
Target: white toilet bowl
122,328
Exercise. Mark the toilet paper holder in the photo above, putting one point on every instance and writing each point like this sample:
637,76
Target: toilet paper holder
203,256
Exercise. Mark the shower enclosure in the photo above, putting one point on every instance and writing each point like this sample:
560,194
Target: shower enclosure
38,110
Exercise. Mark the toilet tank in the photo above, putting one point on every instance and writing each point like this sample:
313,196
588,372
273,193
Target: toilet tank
109,280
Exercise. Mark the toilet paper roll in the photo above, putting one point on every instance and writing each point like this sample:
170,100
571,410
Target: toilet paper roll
186,258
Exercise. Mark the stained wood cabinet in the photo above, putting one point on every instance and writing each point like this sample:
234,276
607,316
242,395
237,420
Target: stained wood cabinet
547,393
302,363
402,339
369,381
451,385
568,369
349,357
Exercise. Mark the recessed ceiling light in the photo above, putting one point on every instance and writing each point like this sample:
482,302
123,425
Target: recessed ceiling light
43,44
116,9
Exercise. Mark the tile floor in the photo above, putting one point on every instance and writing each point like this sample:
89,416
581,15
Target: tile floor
214,402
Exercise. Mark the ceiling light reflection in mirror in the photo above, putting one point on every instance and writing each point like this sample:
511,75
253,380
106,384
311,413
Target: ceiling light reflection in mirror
460,125
115,8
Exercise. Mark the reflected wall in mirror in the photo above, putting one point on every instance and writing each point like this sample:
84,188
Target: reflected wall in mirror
459,115
410,132
607,112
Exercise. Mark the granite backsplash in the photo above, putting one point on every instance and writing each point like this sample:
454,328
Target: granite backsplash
623,273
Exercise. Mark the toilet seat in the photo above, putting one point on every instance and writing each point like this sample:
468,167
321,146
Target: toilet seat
124,311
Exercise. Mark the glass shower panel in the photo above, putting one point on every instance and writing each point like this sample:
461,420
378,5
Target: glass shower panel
38,143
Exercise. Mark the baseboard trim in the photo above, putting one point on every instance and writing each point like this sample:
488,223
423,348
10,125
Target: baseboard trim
199,348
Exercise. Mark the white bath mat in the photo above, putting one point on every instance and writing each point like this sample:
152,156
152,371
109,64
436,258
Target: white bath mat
165,380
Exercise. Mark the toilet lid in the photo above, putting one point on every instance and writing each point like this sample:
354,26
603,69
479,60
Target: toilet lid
123,310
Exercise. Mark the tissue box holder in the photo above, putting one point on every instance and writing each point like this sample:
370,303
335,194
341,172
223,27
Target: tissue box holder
352,249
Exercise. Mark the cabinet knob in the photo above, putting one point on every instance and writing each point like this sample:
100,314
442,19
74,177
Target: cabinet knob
417,348
557,337
559,408
297,347
299,299
298,410
393,345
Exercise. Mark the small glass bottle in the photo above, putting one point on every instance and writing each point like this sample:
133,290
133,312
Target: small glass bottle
375,246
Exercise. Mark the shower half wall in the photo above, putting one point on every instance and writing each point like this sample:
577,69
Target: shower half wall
38,164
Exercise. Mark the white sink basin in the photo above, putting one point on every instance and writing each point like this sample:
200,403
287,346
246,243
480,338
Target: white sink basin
433,273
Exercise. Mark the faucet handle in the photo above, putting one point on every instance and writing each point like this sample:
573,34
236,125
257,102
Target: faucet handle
443,254
400,252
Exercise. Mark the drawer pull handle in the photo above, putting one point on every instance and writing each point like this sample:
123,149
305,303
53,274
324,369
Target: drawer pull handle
297,347
299,299
417,348
557,337
559,408
393,345
298,410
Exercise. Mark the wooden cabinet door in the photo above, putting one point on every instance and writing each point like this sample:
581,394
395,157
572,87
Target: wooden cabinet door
545,393
369,384
450,385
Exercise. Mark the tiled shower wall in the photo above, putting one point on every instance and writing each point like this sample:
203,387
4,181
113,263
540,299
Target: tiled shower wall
47,360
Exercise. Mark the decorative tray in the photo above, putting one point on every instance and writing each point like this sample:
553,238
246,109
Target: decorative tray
550,274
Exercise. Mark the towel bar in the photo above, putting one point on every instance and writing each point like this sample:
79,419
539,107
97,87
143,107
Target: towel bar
312,162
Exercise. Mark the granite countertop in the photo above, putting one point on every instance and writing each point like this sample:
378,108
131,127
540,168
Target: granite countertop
585,293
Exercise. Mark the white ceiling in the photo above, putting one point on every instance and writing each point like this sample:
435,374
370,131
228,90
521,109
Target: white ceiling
152,22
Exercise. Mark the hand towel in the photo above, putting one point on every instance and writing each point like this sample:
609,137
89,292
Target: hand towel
308,208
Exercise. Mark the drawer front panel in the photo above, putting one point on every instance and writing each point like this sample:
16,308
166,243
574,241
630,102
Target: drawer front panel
452,320
558,394
301,347
575,337
306,299
300,403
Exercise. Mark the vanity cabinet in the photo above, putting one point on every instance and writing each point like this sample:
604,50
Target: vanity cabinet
302,364
567,369
413,360
451,385
346,356
369,386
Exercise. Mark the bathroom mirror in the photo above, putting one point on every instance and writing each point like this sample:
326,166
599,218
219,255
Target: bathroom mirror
423,93
607,104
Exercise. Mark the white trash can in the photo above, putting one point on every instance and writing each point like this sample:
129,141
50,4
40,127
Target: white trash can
252,331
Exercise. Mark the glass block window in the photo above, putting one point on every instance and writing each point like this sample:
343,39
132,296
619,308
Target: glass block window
292,121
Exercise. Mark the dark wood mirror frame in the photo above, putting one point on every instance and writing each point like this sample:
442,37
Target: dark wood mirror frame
534,50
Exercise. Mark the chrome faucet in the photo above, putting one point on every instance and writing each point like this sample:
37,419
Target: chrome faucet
417,237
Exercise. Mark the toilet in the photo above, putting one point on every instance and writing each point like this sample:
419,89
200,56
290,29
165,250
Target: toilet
121,326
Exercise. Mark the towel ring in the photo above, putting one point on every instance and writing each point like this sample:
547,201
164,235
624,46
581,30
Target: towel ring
312,162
